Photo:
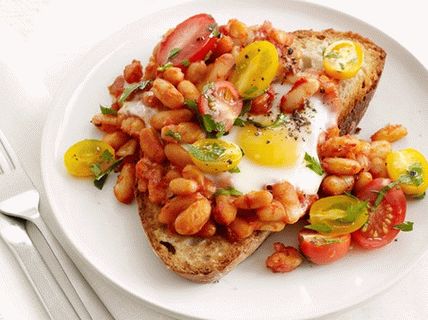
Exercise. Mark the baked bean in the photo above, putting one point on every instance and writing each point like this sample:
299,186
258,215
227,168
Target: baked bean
208,230
124,188
281,37
117,87
169,212
343,146
224,212
174,75
220,69
286,194
341,166
196,72
133,72
157,192
263,103
379,149
378,168
363,179
208,188
241,228
335,185
273,212
167,94
224,45
390,133
116,139
164,118
171,175
192,219
272,226
285,259
303,89
150,100
188,90
364,148
364,161
128,149
106,122
151,145
141,185
254,200
177,155
151,70
182,186
192,172
237,30
186,132
132,126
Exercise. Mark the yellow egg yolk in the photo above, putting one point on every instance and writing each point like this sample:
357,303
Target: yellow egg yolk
268,146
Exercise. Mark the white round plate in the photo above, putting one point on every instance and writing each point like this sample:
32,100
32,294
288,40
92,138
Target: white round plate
108,236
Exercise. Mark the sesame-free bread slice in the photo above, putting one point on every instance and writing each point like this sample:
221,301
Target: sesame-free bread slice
354,93
207,260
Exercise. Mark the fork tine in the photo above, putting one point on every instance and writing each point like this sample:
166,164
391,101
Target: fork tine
6,157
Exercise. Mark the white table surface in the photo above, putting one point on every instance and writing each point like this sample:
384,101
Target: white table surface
40,38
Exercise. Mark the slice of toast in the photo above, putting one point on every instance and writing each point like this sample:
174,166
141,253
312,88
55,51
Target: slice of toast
206,260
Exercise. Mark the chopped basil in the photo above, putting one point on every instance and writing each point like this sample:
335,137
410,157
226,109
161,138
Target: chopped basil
191,104
353,211
101,177
406,226
342,66
251,91
281,119
185,63
175,135
330,55
173,53
245,108
313,164
319,228
235,170
95,169
229,191
211,126
107,110
206,153
165,66
130,89
239,122
107,156
419,196
413,176
213,28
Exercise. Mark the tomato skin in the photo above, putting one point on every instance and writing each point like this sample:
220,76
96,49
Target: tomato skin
221,101
192,37
312,246
343,59
394,204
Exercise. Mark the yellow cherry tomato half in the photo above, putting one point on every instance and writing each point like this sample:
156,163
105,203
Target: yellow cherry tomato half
214,155
256,66
337,215
412,164
81,156
342,59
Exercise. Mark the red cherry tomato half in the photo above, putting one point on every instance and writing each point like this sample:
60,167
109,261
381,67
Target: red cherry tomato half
221,101
379,229
322,248
190,41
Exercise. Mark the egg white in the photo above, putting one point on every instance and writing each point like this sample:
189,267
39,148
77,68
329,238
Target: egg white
253,176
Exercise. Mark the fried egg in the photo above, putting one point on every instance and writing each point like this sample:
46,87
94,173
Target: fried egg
272,155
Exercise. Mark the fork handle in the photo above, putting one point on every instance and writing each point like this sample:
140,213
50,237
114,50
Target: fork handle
64,270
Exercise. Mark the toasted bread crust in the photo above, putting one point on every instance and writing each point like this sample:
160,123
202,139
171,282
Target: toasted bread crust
197,259
207,260
355,93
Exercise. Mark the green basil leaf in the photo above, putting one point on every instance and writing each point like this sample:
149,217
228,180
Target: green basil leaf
130,89
185,63
406,226
173,53
353,211
229,191
319,228
313,164
165,66
235,170
107,110
101,178
175,135
206,153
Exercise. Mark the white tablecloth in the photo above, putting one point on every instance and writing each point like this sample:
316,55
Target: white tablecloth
39,39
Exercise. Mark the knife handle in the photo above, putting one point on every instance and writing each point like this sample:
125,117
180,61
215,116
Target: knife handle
46,287
64,270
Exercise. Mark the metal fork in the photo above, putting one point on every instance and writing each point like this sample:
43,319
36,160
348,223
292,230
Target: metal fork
19,199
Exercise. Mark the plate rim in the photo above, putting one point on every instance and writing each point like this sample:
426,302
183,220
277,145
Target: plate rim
73,77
